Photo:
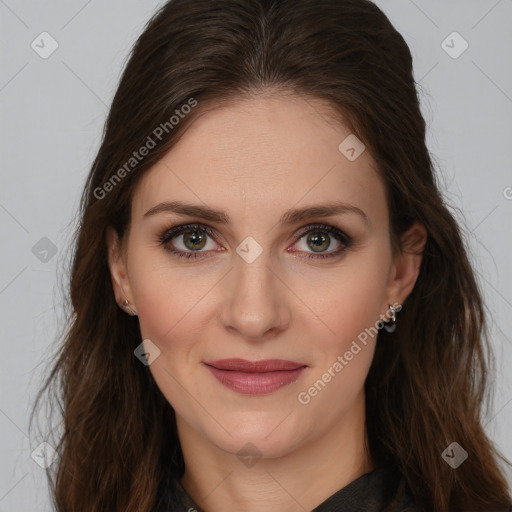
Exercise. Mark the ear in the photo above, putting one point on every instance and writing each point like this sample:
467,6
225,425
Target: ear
117,265
406,265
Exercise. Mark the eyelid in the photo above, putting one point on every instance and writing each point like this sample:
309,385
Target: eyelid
330,228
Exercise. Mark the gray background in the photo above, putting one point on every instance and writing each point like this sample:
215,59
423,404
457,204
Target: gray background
53,111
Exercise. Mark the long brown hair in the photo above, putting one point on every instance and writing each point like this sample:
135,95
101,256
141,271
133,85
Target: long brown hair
428,380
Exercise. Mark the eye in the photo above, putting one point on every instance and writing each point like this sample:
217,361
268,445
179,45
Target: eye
193,238
319,238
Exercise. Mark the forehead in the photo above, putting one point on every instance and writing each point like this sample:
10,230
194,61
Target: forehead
263,153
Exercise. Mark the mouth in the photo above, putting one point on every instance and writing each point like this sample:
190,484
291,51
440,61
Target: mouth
255,377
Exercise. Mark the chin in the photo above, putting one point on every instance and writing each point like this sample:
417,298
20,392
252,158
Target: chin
268,437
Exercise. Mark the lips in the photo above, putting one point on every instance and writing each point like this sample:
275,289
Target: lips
267,365
255,377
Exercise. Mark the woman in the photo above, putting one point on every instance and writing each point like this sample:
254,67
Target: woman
273,308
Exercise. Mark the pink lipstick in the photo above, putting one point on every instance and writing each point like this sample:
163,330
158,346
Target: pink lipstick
255,377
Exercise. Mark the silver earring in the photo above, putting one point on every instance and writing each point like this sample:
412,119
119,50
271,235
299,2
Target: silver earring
126,305
390,326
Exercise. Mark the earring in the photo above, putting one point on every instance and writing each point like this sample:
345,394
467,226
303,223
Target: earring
126,305
390,325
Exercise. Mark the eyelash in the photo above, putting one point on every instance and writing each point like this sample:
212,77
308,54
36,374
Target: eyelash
169,233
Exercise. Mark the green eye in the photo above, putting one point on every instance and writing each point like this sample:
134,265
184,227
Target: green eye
319,238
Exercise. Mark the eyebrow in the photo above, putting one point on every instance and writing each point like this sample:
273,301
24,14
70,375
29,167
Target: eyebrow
289,217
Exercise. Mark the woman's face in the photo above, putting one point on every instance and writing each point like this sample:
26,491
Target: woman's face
267,282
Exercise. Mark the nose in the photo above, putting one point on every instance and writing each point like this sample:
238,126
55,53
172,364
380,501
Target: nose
255,300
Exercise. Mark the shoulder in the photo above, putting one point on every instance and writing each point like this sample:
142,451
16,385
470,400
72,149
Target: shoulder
403,500
382,490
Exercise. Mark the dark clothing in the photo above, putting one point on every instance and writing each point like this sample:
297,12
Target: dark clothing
381,490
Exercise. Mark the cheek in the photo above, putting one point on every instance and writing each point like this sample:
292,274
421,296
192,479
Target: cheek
349,306
169,303
349,299
172,314
343,359
166,290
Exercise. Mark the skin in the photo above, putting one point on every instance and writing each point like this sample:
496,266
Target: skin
254,159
